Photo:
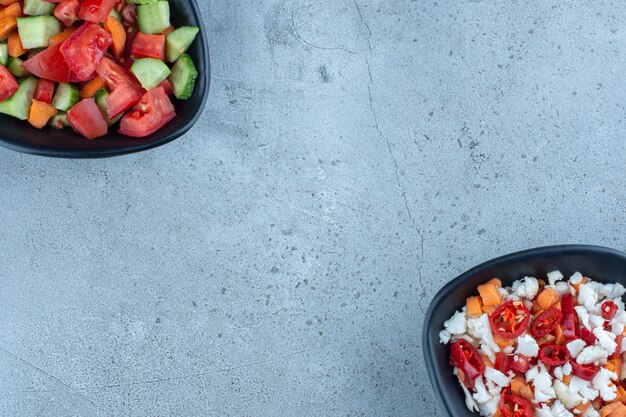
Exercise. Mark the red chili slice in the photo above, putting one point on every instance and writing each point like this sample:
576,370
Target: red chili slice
510,319
569,320
586,372
546,322
467,359
554,355
587,336
514,406
609,309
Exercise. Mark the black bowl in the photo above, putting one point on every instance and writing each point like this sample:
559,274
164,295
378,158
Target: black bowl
20,136
601,264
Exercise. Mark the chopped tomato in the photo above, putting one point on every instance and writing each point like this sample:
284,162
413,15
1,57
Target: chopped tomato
86,119
49,64
152,112
67,11
113,73
122,98
84,49
96,11
148,46
45,91
167,86
510,319
8,84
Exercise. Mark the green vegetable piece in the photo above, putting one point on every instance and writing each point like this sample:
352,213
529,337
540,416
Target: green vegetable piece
18,105
101,101
15,67
141,1
177,42
66,97
59,120
150,72
153,18
183,77
4,54
38,7
35,32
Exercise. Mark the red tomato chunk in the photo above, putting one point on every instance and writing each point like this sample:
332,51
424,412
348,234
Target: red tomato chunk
84,49
152,112
8,84
86,119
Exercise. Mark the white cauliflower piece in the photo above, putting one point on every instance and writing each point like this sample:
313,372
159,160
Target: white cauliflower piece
508,350
576,278
527,346
558,372
587,296
583,315
497,377
605,339
543,387
526,288
444,337
559,410
583,388
543,411
575,347
592,354
456,324
481,330
568,398
532,373
591,412
562,287
554,276
470,403
619,321
602,382
567,369
612,290
481,395
595,321
490,407
504,293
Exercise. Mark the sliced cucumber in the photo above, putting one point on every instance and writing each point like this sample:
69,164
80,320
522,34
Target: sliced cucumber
59,120
150,72
141,1
177,42
35,32
153,18
101,101
115,14
16,68
66,97
4,54
19,103
183,77
38,7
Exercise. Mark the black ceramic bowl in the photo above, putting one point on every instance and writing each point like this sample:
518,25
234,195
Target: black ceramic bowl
601,264
20,136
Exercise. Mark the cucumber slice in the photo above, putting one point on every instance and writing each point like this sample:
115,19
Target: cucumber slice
15,67
18,105
177,42
38,7
153,18
59,120
115,14
150,72
35,32
141,1
183,77
101,101
4,54
66,97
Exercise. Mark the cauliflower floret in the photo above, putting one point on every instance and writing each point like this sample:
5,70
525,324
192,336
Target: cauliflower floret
481,395
576,278
619,321
497,377
568,398
591,412
504,294
606,339
532,373
526,288
510,349
592,354
583,388
481,330
456,324
602,382
527,346
583,315
587,296
595,321
490,407
543,387
567,369
562,287
575,347
543,411
554,276
558,372
559,410
444,337
612,290
470,403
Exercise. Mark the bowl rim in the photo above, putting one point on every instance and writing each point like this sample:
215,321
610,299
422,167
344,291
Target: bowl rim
453,284
107,153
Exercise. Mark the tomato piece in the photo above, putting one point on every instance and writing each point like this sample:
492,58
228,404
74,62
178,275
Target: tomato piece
587,336
49,64
8,83
510,319
148,46
462,355
96,11
122,98
609,309
67,12
554,355
84,49
586,372
546,322
514,406
167,86
86,119
569,320
45,91
114,74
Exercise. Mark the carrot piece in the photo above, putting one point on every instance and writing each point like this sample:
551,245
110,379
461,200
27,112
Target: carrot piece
14,10
92,87
567,379
614,409
547,298
546,340
40,113
527,393
118,33
541,283
616,364
489,309
497,413
61,36
516,386
495,282
577,286
7,25
489,294
15,45
167,31
7,2
536,308
487,361
474,307
502,342
560,340
621,393
582,408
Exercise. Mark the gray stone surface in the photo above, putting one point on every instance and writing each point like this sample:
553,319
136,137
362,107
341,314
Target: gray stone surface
277,261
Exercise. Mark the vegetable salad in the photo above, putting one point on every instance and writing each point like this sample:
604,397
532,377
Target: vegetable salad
541,348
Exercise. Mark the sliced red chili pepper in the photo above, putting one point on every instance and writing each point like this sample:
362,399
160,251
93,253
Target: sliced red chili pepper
514,406
568,322
586,372
546,322
587,336
618,349
609,309
519,363
467,359
554,355
510,319
503,362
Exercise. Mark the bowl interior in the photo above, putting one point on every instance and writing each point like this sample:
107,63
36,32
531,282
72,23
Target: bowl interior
19,135
601,264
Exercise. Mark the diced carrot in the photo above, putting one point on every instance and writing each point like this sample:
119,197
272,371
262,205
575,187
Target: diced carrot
615,365
474,307
582,408
502,342
61,36
557,305
516,386
621,393
558,331
40,113
577,286
15,45
489,294
167,31
487,361
567,379
14,10
614,409
7,25
497,413
546,340
527,393
536,308
547,298
541,283
118,33
489,309
92,87
8,2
